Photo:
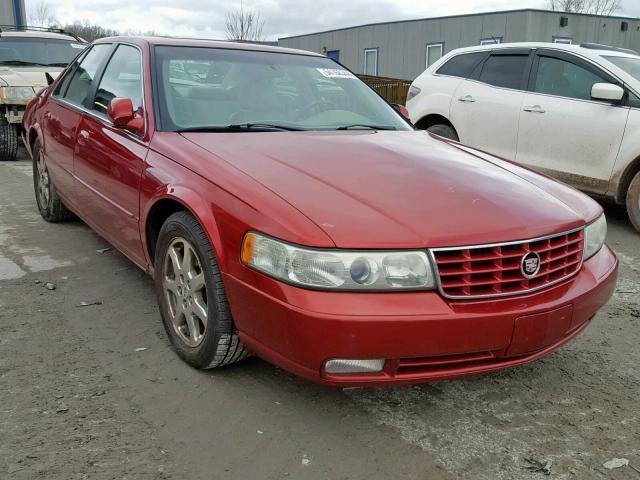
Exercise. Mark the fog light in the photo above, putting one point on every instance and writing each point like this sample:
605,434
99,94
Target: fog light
354,366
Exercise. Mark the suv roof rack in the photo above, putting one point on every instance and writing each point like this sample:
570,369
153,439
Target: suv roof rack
14,28
599,46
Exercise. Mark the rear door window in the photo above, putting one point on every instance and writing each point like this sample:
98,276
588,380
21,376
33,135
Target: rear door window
505,71
461,65
565,79
121,79
81,81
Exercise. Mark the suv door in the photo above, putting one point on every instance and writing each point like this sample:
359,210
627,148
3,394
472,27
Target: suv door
563,131
109,161
485,108
62,117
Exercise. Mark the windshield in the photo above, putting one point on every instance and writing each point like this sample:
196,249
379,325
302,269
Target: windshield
38,51
202,88
631,65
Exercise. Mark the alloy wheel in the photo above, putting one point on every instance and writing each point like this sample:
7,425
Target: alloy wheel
44,186
185,291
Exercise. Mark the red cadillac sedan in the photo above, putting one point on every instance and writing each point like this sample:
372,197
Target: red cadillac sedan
286,210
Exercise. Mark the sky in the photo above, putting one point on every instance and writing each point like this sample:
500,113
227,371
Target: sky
206,18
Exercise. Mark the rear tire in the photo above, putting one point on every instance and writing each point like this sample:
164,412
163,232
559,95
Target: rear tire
443,130
8,141
193,303
49,203
633,201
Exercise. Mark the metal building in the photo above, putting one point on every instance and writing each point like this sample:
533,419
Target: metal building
404,49
13,12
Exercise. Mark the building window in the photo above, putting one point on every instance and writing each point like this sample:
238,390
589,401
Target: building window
434,52
490,41
371,61
334,55
565,40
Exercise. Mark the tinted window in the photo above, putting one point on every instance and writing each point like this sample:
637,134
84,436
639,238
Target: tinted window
461,65
80,83
121,79
38,51
565,79
68,74
504,70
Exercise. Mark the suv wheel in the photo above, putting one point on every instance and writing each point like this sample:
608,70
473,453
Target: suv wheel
8,141
443,130
193,303
633,201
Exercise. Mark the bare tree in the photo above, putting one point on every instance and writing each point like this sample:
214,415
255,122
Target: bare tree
41,15
89,31
595,7
244,25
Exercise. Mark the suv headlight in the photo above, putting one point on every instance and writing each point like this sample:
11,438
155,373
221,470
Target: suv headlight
17,93
334,269
594,236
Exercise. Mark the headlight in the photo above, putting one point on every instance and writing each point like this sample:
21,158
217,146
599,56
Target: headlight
594,236
338,269
17,93
413,91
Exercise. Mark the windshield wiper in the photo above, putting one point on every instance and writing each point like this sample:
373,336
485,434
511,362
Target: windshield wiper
21,62
365,126
57,64
240,127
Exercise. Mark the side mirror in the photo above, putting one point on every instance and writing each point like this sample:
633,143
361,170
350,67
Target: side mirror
121,114
401,109
607,91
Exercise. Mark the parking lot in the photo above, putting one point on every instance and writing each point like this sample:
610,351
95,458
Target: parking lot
89,387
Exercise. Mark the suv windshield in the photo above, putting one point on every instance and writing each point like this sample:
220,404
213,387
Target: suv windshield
38,51
631,65
215,88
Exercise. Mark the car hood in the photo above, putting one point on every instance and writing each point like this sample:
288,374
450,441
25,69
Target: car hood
27,76
370,189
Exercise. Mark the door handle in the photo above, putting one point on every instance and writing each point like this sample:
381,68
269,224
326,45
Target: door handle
534,109
83,136
466,99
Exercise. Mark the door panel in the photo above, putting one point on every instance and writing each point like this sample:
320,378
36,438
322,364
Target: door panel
60,123
108,168
486,117
575,141
109,161
563,131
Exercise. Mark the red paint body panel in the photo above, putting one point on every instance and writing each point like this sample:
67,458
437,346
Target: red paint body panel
347,189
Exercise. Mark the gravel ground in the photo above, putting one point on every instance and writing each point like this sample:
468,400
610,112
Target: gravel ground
95,392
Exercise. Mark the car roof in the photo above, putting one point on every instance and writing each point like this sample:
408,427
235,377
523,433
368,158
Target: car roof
590,50
190,42
33,34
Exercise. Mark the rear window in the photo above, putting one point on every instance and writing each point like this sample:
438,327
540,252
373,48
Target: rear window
504,71
461,65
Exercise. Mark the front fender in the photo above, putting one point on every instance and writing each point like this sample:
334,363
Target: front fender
192,202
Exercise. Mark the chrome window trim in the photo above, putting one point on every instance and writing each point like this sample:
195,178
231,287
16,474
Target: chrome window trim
432,257
103,119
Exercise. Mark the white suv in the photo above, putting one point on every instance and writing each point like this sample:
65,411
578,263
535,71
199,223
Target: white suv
27,54
567,110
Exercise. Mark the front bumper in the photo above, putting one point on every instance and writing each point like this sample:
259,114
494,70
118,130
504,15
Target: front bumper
421,335
13,112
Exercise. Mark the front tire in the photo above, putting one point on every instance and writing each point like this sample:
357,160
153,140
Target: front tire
633,201
8,141
49,203
443,130
191,296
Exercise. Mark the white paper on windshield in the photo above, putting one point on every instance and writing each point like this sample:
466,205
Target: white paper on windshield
336,73
79,46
